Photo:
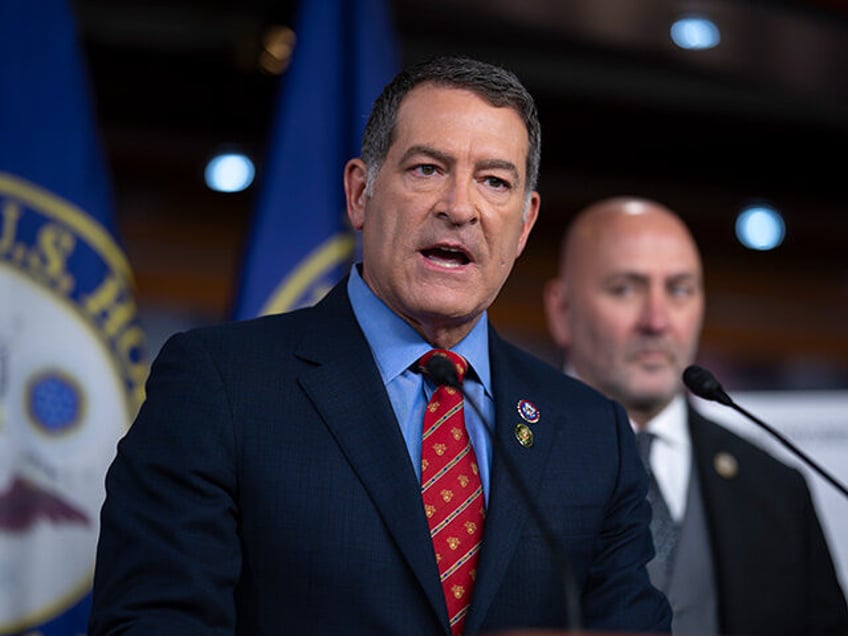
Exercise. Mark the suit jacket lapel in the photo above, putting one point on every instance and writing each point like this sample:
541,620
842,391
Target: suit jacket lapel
508,511
347,391
724,508
720,492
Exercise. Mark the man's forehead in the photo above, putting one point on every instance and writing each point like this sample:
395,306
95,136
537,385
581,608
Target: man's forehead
413,128
616,259
652,273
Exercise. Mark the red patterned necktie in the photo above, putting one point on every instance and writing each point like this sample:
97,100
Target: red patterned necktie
452,492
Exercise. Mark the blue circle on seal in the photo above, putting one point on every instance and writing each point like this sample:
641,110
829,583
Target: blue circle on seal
55,402
528,411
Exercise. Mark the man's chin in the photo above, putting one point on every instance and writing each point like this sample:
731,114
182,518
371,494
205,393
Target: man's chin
655,387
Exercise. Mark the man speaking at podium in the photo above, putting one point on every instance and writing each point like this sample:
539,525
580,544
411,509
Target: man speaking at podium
303,474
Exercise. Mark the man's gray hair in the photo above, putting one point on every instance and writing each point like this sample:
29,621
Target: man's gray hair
495,85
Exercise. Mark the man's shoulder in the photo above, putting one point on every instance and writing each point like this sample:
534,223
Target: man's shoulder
328,313
720,438
272,334
249,328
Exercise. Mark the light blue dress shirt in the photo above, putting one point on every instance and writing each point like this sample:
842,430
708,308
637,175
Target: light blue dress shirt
396,347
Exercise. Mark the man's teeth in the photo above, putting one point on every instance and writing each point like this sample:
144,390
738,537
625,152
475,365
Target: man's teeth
447,257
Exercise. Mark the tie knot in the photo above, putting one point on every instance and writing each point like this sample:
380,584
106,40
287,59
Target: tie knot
435,364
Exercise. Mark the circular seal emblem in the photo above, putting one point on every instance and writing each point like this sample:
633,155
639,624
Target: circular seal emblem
71,370
528,411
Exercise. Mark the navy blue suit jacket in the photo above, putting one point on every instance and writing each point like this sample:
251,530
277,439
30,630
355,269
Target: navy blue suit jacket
265,488
774,573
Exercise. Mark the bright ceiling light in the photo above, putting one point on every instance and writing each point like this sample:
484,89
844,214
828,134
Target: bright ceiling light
229,172
760,227
695,33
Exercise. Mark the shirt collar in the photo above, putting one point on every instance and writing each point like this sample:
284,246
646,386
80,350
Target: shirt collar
396,345
670,423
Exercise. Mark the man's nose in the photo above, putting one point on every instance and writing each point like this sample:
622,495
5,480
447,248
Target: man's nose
655,311
458,203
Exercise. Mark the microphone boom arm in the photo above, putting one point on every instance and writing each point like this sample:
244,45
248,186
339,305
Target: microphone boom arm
703,384
812,464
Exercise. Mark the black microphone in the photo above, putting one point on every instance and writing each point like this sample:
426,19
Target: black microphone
703,384
442,371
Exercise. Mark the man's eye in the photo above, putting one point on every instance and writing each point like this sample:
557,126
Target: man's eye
497,183
680,291
622,289
425,169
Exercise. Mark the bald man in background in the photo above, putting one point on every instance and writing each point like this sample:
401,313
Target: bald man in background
739,546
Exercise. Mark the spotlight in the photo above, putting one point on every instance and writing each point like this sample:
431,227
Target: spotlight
695,33
760,227
229,172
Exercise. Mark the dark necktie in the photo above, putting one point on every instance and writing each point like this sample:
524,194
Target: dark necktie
452,492
663,528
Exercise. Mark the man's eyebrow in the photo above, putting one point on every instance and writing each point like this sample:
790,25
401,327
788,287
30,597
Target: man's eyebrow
636,276
628,275
427,151
442,157
500,164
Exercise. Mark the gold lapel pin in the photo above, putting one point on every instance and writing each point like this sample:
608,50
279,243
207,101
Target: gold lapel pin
523,434
726,465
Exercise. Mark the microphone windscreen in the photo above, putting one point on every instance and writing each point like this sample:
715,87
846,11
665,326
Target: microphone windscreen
442,371
703,384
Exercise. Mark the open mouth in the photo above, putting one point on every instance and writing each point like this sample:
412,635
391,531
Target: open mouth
447,256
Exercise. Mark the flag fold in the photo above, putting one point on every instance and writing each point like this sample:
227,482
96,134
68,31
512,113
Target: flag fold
300,243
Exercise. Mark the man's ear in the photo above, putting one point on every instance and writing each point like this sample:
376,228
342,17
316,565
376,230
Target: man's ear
355,179
528,221
556,309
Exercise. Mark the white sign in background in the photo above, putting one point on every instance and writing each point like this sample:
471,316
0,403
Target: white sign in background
817,424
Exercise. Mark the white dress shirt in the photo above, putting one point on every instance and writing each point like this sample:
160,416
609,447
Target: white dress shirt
671,454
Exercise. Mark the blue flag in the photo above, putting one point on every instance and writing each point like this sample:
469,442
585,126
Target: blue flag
72,362
300,243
